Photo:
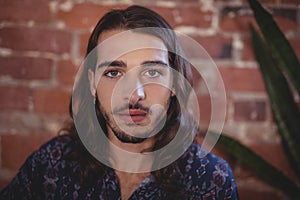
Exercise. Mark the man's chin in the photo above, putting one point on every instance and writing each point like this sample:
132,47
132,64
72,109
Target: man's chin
129,139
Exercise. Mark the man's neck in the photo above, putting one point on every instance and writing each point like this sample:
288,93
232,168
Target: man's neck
131,167
131,157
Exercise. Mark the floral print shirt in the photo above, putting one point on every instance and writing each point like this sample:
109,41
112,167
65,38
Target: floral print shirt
47,175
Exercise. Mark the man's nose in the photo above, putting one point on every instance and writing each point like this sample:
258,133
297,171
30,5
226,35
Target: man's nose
133,90
137,94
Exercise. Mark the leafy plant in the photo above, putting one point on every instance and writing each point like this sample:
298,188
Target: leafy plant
279,67
275,56
257,164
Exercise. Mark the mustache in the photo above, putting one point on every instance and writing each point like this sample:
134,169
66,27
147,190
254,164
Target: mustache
125,107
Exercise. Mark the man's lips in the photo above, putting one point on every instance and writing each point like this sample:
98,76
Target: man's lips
133,115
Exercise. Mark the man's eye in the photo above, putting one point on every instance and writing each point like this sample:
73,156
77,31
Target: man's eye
113,74
152,73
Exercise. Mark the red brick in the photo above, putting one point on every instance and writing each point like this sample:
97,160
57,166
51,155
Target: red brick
200,84
295,43
204,108
192,16
84,15
84,39
3,179
242,79
36,10
285,24
26,68
238,18
181,15
248,54
178,2
36,39
16,148
286,18
14,98
216,46
296,2
258,190
275,154
66,72
185,16
249,110
30,122
266,142
247,51
54,101
263,1
232,20
252,133
236,24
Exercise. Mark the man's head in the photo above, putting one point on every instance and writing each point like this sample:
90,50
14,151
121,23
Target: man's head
137,91
132,83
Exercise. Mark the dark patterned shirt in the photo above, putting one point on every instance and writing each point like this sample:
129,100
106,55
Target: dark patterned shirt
47,175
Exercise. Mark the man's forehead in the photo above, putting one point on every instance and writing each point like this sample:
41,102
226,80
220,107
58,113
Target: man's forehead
135,36
113,44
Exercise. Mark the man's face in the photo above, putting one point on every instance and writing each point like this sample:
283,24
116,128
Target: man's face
133,84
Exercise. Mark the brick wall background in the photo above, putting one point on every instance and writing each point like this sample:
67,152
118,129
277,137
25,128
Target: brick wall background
42,42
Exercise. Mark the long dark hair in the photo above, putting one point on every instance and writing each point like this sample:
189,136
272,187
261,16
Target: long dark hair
136,18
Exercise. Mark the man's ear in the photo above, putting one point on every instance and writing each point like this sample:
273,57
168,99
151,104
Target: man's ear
173,92
91,77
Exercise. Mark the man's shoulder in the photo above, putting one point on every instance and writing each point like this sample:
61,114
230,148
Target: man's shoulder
54,149
196,155
58,142
205,173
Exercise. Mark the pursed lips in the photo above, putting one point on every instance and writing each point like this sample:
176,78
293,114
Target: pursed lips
133,115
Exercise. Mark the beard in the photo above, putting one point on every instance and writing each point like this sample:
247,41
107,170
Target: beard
117,131
125,138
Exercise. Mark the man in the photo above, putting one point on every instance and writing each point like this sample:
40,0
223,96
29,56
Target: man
129,100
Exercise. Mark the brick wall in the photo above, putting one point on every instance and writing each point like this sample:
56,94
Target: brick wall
42,42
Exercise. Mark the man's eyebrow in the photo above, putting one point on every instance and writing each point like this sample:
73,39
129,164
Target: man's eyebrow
154,63
118,63
115,63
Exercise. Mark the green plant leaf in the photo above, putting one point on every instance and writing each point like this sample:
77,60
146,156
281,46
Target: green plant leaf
281,98
280,46
258,165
